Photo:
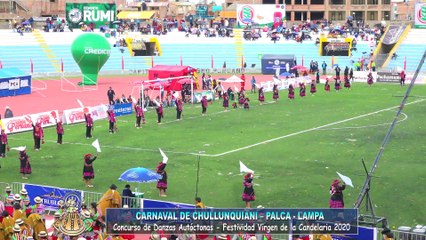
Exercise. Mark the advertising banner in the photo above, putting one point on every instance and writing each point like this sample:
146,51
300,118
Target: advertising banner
261,14
23,123
76,115
12,86
270,63
199,95
100,14
232,221
52,195
122,109
420,15
388,76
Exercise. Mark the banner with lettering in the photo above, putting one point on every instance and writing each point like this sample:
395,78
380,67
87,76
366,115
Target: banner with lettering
14,85
23,123
76,115
122,109
100,14
52,195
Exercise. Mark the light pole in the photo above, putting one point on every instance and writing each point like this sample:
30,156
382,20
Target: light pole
198,172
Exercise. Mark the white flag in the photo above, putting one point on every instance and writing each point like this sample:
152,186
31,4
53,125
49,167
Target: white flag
165,158
21,148
134,100
345,179
96,145
244,168
236,89
80,103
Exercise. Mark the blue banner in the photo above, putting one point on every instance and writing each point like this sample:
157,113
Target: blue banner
232,221
52,195
122,109
12,86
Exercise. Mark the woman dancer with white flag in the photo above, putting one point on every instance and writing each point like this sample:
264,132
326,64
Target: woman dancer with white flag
248,193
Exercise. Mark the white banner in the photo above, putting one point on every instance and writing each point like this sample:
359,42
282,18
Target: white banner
76,115
284,83
262,14
361,76
23,123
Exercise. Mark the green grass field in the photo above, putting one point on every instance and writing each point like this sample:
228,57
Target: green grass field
294,169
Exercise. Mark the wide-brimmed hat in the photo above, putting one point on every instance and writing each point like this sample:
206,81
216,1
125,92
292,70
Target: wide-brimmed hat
85,213
17,197
19,221
222,236
38,199
155,236
57,214
8,189
16,228
23,192
42,234
125,206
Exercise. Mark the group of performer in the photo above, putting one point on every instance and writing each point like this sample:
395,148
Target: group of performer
19,219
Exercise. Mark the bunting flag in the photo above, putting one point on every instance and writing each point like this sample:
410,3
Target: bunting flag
405,64
31,66
122,63
212,62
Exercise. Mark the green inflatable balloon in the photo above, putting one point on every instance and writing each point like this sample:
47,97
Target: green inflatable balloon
90,51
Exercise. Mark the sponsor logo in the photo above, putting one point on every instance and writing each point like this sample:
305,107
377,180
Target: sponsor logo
246,14
17,124
421,14
76,116
75,15
89,50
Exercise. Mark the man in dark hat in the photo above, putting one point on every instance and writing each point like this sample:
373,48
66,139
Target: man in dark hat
127,196
199,203
387,234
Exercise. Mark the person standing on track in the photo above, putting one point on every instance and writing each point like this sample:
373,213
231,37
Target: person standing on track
111,96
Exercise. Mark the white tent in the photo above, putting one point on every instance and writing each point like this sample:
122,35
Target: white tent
233,79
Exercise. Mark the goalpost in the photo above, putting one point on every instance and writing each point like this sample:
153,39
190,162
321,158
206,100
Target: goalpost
76,85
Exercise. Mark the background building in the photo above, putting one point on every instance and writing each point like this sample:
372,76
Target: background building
334,10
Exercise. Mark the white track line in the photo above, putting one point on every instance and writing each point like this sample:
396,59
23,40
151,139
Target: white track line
304,131
245,147
366,126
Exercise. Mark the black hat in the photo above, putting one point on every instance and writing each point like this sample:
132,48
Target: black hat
113,186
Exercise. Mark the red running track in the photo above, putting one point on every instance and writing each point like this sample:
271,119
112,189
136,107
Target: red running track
47,94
